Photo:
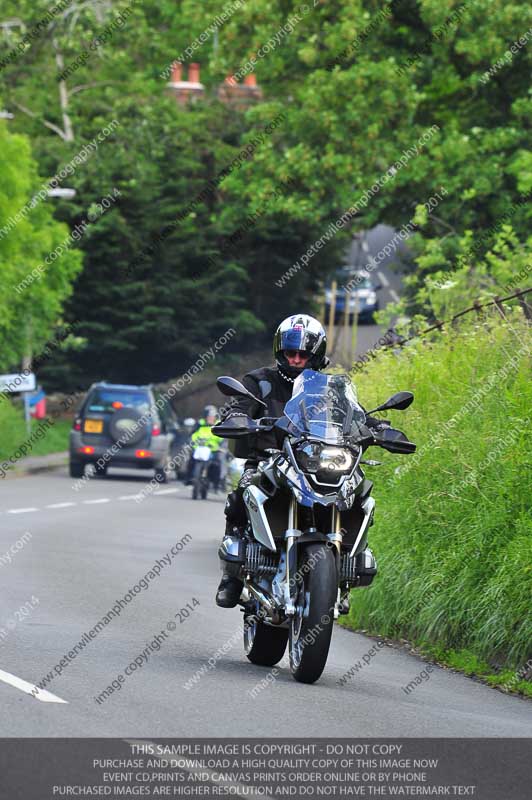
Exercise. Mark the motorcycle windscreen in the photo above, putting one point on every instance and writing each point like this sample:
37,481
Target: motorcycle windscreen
325,406
202,453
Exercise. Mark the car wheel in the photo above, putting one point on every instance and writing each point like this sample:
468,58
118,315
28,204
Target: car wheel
76,469
100,469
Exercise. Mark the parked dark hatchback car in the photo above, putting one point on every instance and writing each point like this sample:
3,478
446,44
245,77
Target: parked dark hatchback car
121,426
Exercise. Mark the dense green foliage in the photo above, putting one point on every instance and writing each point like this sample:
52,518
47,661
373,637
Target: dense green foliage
358,84
32,291
453,533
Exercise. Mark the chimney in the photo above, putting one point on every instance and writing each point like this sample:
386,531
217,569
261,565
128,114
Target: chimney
252,88
185,91
238,95
194,73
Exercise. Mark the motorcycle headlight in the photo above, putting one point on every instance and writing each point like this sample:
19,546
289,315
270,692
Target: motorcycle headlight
336,459
308,457
314,457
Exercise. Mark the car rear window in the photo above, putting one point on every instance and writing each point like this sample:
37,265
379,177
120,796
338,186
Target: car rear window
109,400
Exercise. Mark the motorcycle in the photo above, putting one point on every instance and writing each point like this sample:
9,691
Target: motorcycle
201,457
309,508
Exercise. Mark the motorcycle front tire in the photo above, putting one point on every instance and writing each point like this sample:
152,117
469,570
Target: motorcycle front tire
311,627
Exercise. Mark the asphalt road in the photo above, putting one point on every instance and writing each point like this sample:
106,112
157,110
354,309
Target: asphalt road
89,548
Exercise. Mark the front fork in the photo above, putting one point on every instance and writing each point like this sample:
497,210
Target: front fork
335,537
291,536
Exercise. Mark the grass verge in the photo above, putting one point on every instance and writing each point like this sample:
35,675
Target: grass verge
13,434
453,524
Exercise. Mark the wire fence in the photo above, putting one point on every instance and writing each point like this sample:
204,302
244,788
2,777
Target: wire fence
497,302
397,341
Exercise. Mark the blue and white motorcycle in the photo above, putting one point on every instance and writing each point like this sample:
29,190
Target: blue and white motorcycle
309,508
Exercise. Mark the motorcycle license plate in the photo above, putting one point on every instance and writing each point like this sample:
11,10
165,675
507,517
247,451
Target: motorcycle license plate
93,426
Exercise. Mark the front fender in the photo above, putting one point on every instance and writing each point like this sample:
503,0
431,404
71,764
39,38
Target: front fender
313,538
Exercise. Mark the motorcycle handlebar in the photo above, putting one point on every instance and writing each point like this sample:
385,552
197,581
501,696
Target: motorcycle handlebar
378,433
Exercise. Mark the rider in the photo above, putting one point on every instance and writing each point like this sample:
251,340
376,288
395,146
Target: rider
203,436
299,343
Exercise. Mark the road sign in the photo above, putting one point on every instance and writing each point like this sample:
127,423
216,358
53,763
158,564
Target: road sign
18,382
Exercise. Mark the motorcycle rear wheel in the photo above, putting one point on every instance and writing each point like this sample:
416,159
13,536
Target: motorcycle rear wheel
311,627
264,644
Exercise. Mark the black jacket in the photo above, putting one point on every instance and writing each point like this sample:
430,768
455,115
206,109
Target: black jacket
269,385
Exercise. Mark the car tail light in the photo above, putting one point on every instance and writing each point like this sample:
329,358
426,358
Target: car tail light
143,453
77,425
117,404
87,450
156,430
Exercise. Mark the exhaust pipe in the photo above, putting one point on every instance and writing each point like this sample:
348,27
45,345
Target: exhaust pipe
264,599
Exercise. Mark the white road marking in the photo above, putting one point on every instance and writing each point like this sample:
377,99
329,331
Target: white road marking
86,502
100,500
383,279
394,295
29,688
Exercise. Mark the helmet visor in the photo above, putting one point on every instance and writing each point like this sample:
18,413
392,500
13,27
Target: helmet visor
298,338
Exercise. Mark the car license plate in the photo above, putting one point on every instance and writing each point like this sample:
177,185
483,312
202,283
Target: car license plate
93,426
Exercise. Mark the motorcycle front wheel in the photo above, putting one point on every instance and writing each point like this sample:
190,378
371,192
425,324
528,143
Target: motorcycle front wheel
311,626
196,480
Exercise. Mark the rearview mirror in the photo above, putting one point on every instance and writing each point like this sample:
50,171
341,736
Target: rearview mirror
233,388
399,401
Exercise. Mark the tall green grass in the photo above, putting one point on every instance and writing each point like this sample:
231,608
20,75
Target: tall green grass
453,524
13,433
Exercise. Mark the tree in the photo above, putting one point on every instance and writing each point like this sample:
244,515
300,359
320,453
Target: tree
33,291
383,104
362,82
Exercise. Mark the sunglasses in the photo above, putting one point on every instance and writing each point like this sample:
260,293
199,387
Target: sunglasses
294,353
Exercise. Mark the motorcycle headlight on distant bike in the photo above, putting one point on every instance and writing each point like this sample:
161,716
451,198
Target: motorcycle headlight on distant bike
334,461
